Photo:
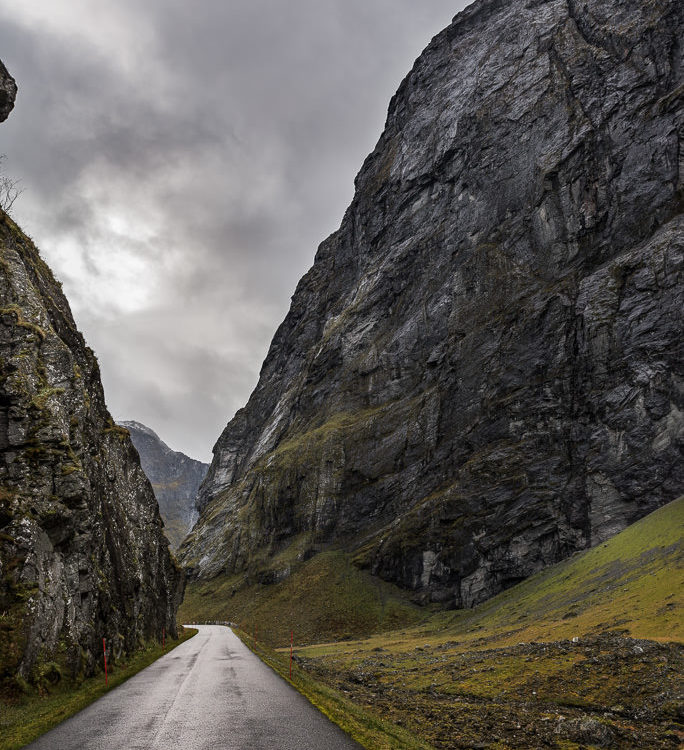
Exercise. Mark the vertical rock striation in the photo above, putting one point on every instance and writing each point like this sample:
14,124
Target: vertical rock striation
175,480
482,371
82,551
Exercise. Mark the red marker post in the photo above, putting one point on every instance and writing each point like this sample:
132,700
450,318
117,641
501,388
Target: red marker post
291,642
104,651
164,638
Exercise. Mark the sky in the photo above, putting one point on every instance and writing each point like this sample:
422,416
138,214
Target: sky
181,162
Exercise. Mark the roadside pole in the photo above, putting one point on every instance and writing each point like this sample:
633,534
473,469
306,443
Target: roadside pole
104,651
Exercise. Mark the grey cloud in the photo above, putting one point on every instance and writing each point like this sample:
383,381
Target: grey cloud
207,162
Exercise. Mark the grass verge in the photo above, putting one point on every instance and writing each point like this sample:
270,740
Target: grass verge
23,721
372,732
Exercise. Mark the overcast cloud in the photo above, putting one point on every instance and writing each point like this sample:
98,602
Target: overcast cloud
182,162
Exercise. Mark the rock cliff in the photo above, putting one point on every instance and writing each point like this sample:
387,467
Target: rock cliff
175,480
8,92
82,552
482,371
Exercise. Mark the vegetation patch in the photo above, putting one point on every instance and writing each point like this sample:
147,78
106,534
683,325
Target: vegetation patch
21,321
117,430
587,653
605,691
325,598
40,399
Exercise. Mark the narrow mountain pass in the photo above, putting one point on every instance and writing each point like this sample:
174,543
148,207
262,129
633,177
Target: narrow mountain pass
210,692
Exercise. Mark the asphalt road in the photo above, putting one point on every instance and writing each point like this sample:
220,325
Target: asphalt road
209,693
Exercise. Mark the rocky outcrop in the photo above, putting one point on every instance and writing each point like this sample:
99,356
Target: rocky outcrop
482,371
82,551
8,92
175,480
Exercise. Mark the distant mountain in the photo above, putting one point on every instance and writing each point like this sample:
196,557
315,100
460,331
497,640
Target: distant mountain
175,479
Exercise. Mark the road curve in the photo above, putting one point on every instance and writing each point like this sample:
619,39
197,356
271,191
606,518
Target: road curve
211,692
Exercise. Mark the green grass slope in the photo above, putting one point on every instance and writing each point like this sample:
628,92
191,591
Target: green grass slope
587,653
634,582
326,598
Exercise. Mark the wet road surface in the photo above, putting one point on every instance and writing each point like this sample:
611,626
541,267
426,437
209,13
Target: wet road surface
210,692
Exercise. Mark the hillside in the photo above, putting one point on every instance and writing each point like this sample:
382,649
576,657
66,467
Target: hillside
175,480
478,377
588,652
634,583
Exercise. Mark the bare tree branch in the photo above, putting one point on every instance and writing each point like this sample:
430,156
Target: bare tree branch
9,189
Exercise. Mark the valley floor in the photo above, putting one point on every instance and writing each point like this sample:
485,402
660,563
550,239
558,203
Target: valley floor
588,653
602,691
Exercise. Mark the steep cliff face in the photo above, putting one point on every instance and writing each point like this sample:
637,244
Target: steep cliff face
8,92
481,373
82,552
175,480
